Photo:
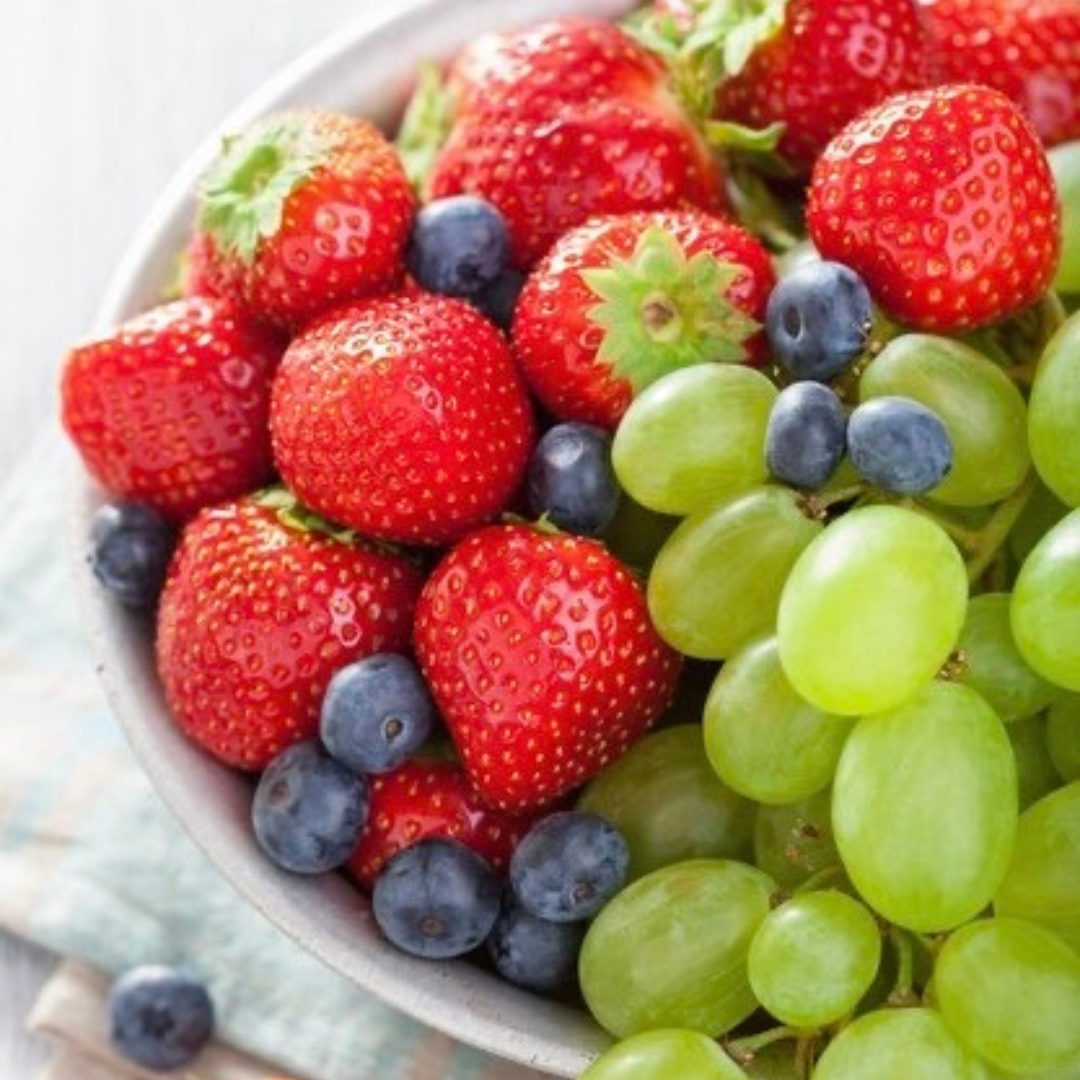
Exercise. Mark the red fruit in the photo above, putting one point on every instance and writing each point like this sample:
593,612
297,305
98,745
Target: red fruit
431,798
258,614
542,659
1027,49
170,409
303,211
404,418
944,202
621,300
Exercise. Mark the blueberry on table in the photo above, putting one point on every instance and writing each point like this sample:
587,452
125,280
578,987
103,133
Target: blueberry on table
308,810
376,713
459,246
899,445
568,866
159,1017
806,435
571,478
532,952
437,899
130,549
818,320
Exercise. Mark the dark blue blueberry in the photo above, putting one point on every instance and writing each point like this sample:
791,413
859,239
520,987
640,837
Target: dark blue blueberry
436,899
535,953
498,300
376,713
308,809
459,246
568,866
899,445
571,479
806,436
818,320
159,1017
130,548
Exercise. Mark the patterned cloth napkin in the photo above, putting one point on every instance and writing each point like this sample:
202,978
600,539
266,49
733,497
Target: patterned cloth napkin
93,867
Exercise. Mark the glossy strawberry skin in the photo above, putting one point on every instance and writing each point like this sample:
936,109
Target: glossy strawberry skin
171,408
404,418
944,202
255,618
431,798
542,659
556,343
1027,49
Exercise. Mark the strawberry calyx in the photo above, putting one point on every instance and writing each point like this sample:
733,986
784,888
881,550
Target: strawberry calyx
661,311
294,515
425,126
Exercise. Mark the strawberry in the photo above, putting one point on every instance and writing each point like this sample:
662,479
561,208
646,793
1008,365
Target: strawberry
171,407
262,604
431,798
542,658
622,299
1027,49
944,202
404,418
305,210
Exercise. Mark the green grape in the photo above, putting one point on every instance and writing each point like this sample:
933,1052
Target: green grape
1046,605
635,534
670,950
814,957
899,1044
1035,771
773,1062
688,1055
925,807
1041,513
717,581
694,437
977,402
1011,991
668,803
871,610
1053,407
1063,736
1042,883
762,739
794,842
1065,163
993,664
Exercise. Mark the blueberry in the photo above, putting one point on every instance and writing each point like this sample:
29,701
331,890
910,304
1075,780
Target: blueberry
159,1017
130,550
436,899
308,809
459,246
571,479
535,953
568,866
818,319
498,301
376,713
806,435
899,445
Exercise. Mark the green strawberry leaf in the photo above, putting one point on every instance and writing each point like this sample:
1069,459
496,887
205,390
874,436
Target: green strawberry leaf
425,126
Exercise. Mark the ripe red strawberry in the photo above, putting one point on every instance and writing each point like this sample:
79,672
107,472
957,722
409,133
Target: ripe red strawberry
623,299
431,798
171,408
305,210
542,659
403,417
259,609
944,202
1027,49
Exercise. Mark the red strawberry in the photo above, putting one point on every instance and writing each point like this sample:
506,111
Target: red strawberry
431,798
171,408
542,658
944,202
260,608
1027,49
404,418
305,210
623,299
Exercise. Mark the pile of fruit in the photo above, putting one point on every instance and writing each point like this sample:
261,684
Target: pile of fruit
626,524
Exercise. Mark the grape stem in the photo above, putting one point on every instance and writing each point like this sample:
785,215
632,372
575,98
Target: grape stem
903,992
804,1058
817,505
993,535
744,1050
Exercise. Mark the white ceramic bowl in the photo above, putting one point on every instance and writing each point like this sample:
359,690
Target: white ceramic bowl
366,69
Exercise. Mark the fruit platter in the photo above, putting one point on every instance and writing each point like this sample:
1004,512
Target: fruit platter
576,515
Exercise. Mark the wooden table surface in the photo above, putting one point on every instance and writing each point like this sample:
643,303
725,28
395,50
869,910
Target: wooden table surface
101,103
